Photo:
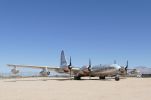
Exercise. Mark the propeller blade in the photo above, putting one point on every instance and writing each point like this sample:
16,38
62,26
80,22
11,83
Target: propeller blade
89,68
70,68
70,61
70,64
126,66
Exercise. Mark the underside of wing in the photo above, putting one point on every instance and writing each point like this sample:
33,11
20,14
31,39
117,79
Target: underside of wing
27,66
62,70
74,70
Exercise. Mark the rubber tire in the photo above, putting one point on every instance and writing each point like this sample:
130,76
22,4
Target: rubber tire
117,78
102,77
77,78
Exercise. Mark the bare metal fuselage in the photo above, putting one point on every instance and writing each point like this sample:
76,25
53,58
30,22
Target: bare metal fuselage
96,71
104,71
100,71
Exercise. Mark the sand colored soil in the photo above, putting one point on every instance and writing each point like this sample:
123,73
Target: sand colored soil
64,89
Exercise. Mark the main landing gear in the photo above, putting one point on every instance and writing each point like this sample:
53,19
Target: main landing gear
77,78
102,77
117,78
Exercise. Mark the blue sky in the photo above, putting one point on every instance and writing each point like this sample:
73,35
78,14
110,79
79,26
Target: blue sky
35,31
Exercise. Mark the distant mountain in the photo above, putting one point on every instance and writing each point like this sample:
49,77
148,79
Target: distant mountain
143,69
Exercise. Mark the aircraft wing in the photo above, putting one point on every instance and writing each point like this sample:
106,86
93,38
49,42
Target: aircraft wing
30,66
57,69
74,70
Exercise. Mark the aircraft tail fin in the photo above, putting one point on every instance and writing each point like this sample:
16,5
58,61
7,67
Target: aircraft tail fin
63,61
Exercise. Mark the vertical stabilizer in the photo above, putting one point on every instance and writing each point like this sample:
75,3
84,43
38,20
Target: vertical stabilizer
63,61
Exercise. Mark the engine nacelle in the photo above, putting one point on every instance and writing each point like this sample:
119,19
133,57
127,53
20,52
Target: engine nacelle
44,73
122,71
85,69
15,71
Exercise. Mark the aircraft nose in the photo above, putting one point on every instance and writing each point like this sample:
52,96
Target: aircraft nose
122,70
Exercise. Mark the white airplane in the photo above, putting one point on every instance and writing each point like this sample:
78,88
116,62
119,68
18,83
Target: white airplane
100,71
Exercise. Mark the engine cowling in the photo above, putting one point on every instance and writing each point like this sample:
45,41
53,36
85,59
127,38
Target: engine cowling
44,73
122,71
84,71
15,71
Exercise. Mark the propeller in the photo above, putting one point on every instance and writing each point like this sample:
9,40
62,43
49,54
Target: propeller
69,67
126,66
115,62
89,68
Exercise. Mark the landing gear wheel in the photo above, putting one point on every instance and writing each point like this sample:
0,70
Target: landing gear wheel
77,78
102,77
117,78
48,73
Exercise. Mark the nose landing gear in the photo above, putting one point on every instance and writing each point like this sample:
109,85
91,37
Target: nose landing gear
117,78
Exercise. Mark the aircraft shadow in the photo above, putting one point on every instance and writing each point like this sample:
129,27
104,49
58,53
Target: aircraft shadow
17,80
60,79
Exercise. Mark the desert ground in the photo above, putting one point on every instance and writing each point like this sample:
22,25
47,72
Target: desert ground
65,89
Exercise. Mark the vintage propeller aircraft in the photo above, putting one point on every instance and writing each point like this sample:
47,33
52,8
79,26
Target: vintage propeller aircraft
100,71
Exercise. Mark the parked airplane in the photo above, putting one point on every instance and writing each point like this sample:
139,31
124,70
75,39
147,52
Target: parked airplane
100,71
